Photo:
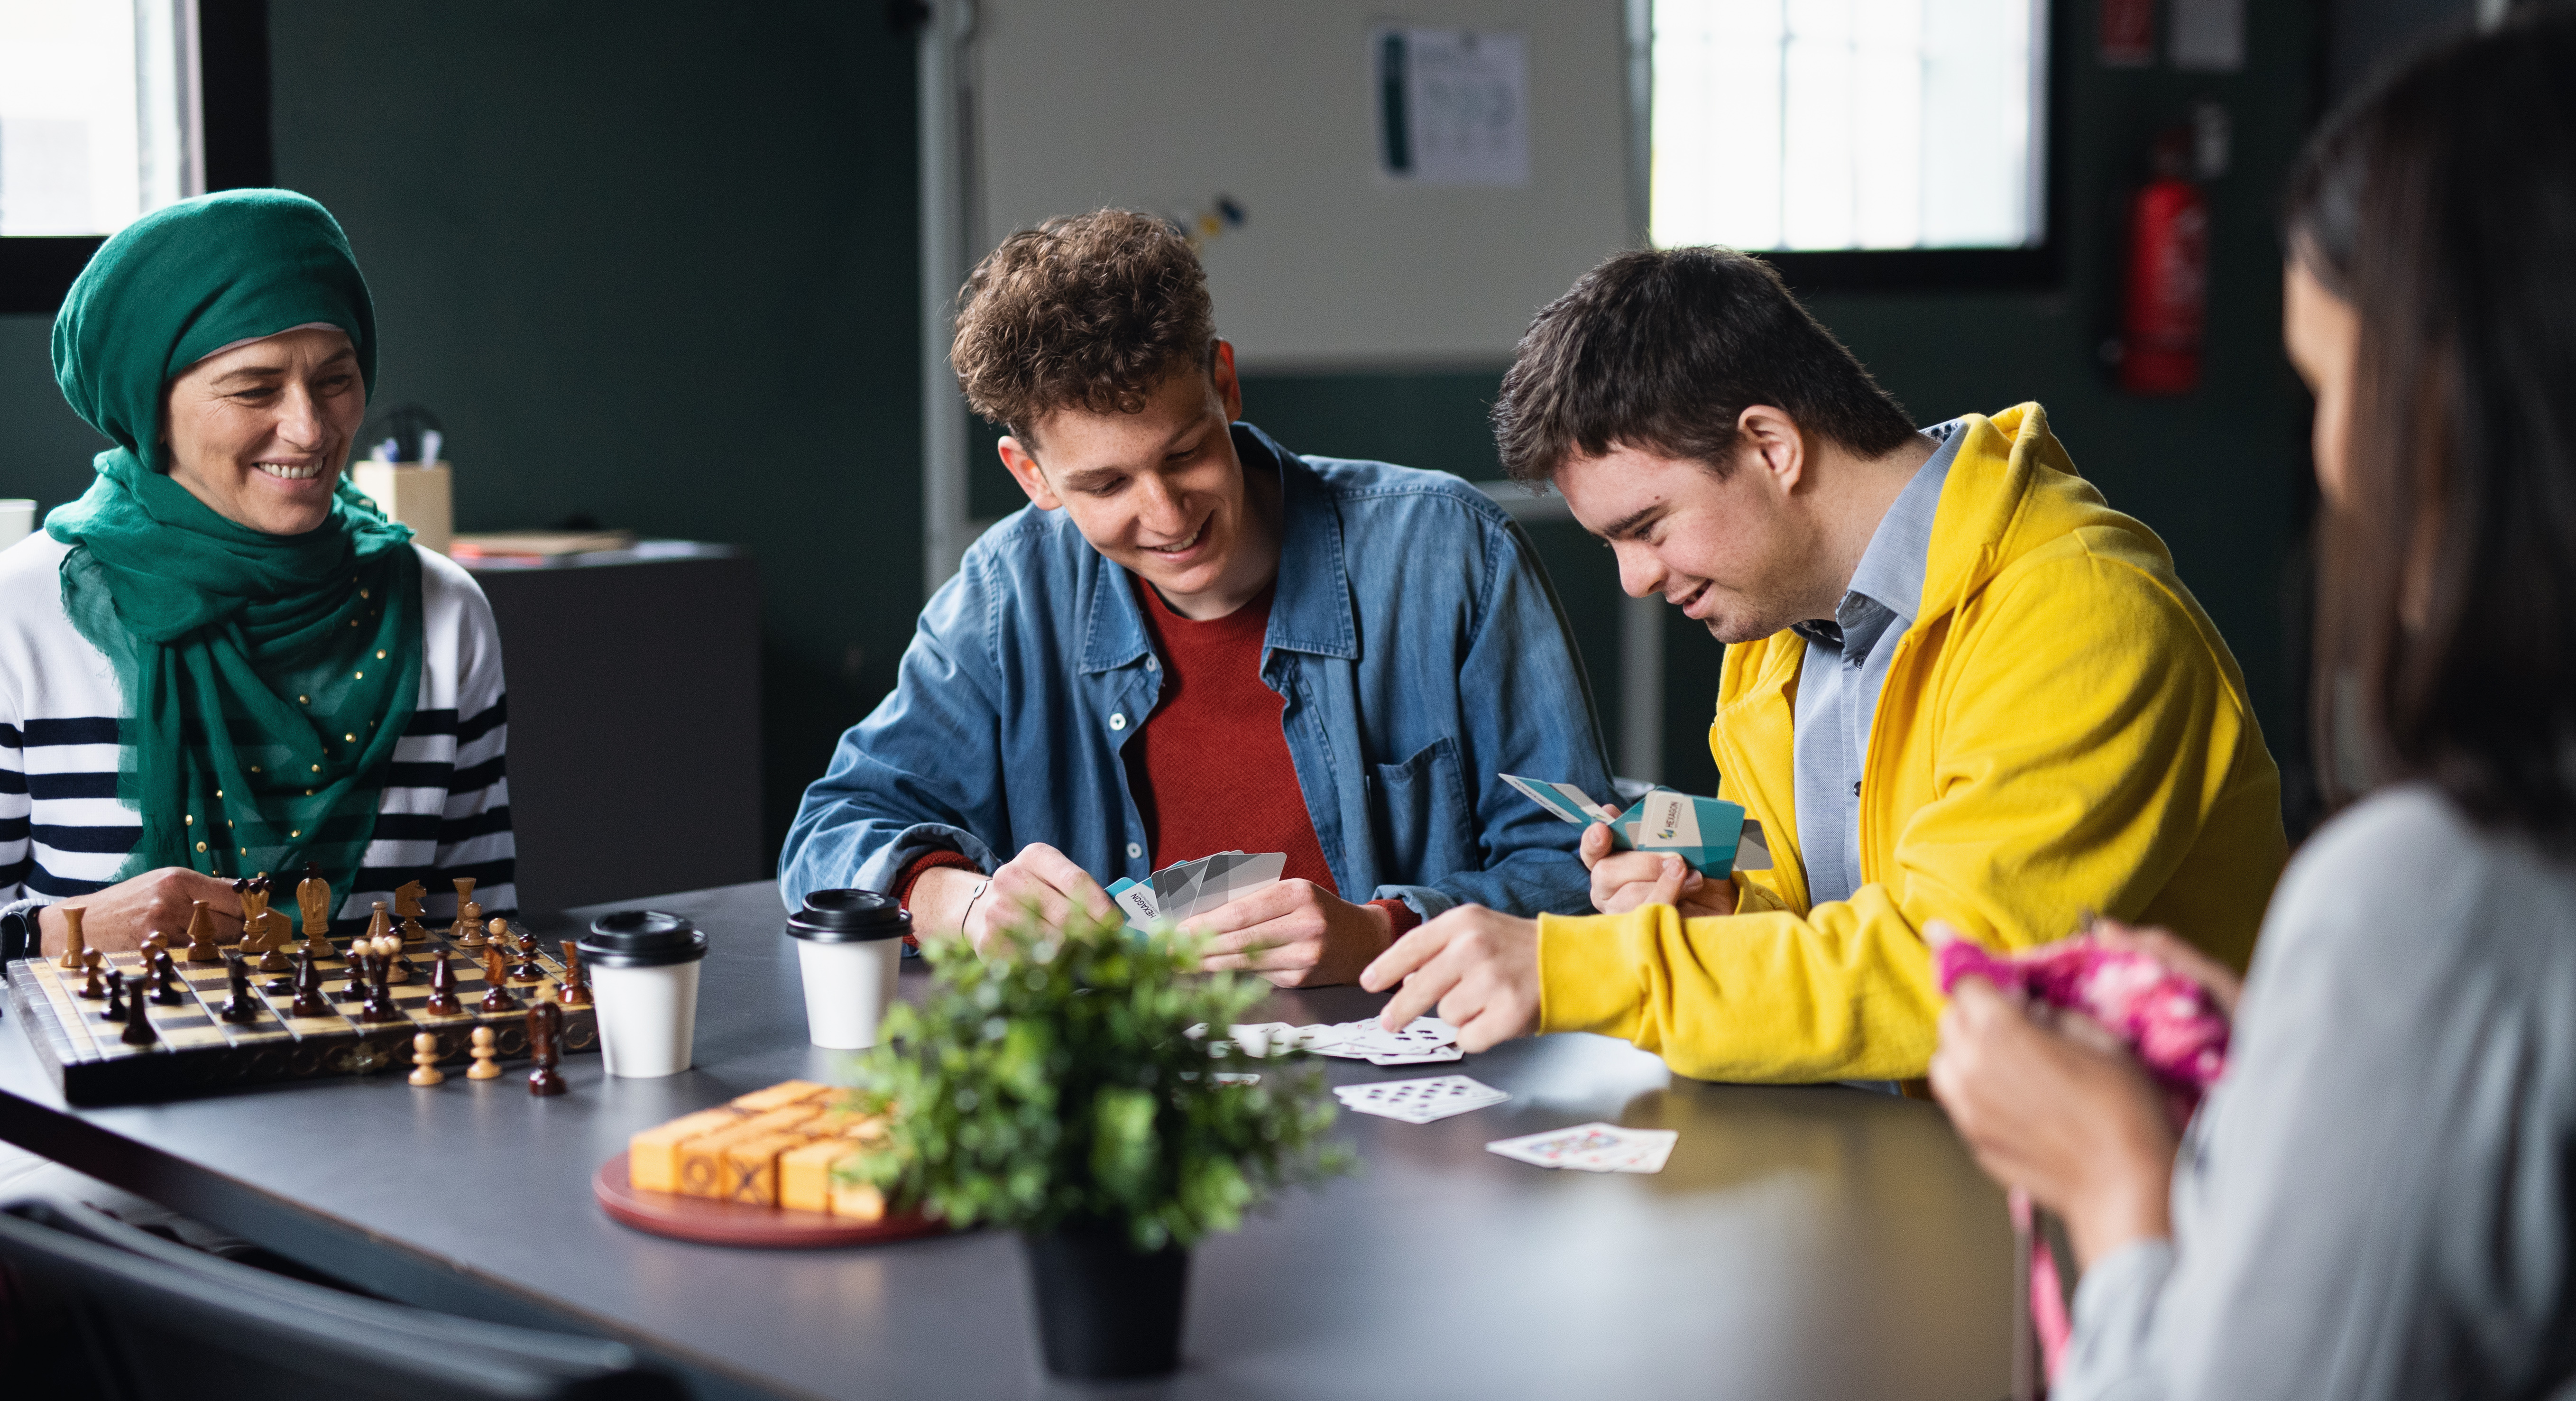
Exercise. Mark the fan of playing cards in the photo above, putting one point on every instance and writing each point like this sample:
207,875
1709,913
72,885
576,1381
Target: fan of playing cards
1428,1039
1186,889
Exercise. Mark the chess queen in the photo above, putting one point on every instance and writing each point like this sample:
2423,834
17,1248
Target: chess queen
223,633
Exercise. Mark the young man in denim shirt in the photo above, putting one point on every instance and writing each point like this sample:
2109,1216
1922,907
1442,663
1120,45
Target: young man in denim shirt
1195,641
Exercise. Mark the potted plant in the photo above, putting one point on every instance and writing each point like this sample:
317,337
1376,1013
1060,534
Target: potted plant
1061,1083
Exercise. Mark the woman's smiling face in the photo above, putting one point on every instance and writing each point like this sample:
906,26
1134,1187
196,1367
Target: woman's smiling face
261,431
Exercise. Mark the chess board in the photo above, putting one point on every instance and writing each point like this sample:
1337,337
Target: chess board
198,1052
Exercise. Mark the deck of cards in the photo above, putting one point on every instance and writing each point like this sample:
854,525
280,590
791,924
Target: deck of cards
1187,889
1426,1041
1709,833
1419,1101
1592,1148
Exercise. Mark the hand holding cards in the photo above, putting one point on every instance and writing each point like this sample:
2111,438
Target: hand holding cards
1592,1148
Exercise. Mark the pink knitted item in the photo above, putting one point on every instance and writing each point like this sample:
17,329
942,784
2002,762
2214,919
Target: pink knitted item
2171,1022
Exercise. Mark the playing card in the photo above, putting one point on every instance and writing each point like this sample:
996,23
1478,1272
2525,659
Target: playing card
1592,1148
1136,901
1419,1101
1563,799
1423,1057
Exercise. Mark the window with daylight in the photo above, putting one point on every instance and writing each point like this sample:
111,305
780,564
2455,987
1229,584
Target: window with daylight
1849,126
98,114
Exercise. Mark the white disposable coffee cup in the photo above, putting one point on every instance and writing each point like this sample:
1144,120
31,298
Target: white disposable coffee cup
17,520
644,984
849,948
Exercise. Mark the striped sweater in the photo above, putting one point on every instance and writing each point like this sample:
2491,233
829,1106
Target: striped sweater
446,808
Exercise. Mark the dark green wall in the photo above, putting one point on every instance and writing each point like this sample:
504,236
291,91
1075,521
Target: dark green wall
654,264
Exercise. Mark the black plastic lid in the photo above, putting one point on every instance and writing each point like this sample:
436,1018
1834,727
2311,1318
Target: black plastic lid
642,939
849,917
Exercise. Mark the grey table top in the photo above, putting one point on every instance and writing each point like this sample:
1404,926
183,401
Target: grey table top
1801,1242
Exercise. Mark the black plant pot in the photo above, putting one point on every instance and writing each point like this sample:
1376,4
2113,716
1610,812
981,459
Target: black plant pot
1105,1310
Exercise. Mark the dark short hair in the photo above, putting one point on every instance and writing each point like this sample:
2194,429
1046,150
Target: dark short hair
1089,312
1664,350
2437,205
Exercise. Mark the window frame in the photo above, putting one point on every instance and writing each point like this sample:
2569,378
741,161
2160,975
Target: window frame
2035,267
233,95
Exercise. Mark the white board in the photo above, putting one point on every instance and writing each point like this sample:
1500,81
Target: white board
1169,106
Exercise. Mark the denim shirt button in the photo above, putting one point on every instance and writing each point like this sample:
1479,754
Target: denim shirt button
1118,721
1135,851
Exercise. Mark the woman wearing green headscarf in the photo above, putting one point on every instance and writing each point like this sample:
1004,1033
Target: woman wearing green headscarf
223,660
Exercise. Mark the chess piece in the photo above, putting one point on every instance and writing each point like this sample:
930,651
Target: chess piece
75,944
165,973
496,996
576,988
379,924
308,987
138,1023
527,969
239,1008
154,942
407,897
354,990
115,1009
201,935
545,1031
487,1061
424,1059
94,989
464,930
442,988
313,897
379,1006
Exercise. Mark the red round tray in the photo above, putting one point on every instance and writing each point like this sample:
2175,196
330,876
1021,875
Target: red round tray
713,1222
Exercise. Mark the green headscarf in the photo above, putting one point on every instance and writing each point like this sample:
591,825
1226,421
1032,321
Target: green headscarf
267,677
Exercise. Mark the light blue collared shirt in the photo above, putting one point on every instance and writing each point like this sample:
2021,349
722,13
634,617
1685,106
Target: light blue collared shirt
1846,665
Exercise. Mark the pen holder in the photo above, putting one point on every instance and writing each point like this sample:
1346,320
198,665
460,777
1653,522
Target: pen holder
417,494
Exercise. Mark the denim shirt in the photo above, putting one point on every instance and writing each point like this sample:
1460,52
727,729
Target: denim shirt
1416,643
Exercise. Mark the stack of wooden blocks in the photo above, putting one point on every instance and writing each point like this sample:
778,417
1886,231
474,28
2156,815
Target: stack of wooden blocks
776,1147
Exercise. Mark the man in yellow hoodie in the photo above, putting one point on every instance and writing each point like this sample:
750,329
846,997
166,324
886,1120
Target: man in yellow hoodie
1958,687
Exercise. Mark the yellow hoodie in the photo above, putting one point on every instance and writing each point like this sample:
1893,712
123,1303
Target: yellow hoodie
2061,730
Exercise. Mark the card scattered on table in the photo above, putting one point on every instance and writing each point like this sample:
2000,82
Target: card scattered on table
1426,1041
1419,1101
1185,890
1592,1148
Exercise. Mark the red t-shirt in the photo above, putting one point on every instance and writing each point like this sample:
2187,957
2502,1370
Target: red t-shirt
1210,767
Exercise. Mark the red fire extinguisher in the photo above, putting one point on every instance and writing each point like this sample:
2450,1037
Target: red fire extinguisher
2166,302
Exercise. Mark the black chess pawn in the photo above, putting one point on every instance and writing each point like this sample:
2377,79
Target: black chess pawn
165,972
94,989
138,1025
309,1001
115,1009
355,990
545,1032
527,969
442,988
239,1007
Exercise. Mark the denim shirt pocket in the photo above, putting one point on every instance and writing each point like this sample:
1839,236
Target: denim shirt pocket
1420,814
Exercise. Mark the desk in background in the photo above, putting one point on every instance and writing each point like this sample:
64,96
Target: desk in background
634,681
1802,1242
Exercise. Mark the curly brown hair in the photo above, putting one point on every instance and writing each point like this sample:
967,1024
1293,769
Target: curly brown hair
1091,311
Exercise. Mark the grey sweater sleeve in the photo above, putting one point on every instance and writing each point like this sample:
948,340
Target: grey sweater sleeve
2372,1205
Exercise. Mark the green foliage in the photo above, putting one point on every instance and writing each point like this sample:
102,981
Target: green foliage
1051,1079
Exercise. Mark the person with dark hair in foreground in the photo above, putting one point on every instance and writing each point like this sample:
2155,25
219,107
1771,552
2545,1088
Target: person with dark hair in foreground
1195,641
2374,1201
1958,686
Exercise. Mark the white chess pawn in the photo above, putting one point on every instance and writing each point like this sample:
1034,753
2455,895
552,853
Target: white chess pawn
424,1057
487,1060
